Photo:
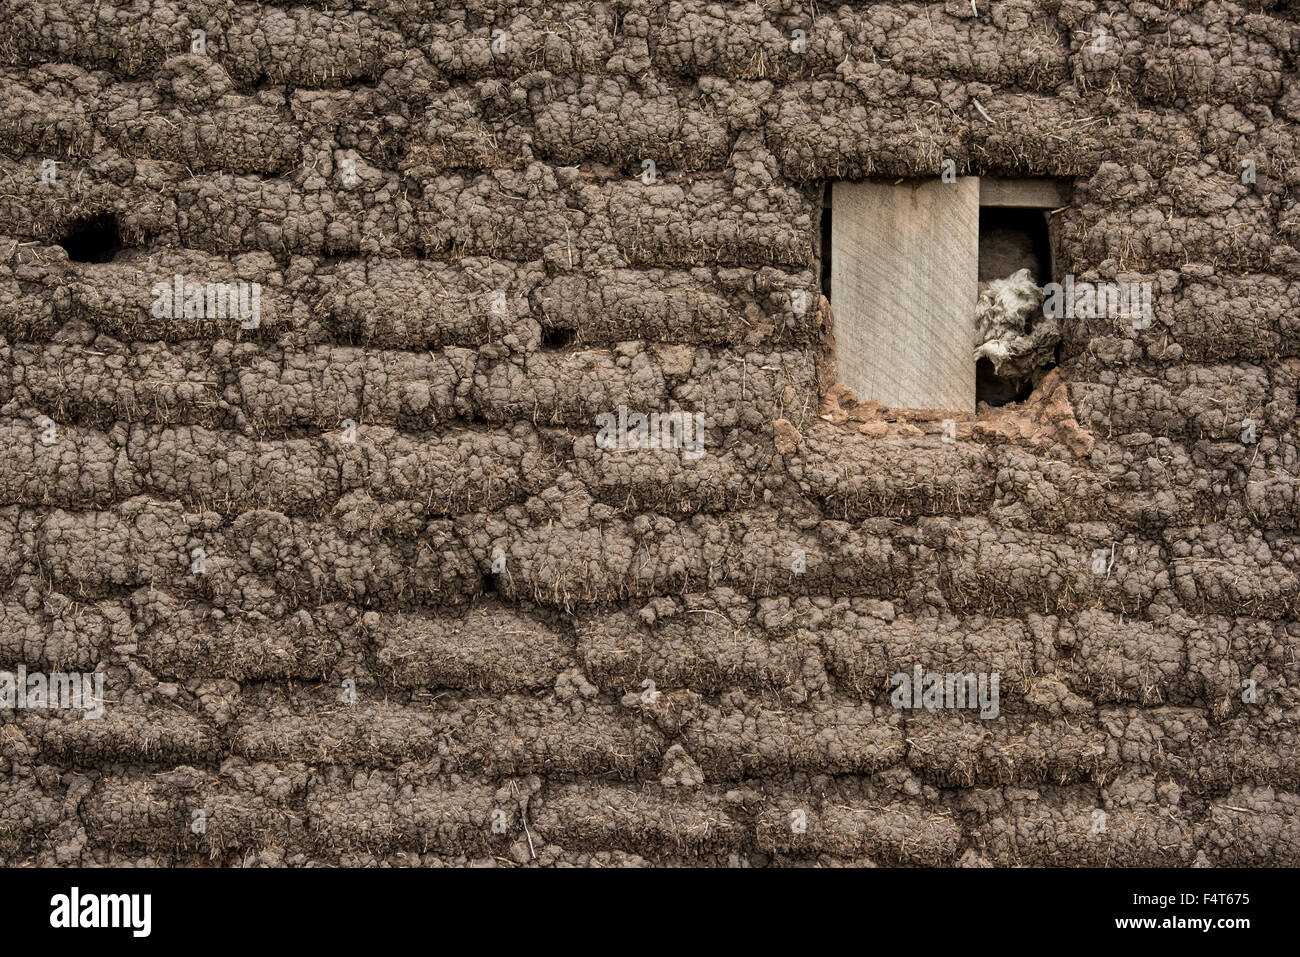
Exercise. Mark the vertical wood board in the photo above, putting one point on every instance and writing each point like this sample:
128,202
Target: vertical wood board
903,285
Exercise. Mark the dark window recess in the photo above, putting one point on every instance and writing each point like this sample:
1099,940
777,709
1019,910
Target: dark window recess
1011,239
995,390
95,239
826,245
554,337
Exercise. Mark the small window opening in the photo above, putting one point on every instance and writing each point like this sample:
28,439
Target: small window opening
554,337
938,289
94,239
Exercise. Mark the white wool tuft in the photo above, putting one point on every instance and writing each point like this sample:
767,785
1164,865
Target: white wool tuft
1010,328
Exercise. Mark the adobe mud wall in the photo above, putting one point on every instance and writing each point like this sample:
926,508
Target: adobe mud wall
363,587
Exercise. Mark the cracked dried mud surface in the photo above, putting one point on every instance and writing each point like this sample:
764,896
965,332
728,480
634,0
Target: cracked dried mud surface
564,656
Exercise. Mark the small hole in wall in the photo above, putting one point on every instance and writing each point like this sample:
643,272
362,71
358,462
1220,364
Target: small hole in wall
556,338
94,239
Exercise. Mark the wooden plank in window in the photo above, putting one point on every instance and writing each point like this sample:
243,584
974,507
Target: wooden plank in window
904,266
1030,193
